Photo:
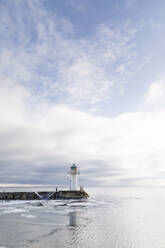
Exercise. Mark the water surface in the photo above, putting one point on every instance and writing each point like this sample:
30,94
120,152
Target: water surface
125,218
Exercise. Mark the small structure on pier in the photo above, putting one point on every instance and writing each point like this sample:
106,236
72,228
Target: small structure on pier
73,177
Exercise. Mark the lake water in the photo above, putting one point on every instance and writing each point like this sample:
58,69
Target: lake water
125,218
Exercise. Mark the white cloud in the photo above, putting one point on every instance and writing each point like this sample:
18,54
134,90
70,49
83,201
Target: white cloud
156,94
79,6
41,51
47,138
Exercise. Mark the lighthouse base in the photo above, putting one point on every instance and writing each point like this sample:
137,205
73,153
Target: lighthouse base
70,194
44,195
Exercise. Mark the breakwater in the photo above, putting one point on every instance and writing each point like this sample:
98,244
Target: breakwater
41,195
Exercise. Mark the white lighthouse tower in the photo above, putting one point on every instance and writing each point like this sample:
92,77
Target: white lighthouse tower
73,179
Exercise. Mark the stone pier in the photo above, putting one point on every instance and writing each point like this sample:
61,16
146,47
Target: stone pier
43,195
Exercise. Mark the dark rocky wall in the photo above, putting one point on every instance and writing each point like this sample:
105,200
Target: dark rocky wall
19,196
43,195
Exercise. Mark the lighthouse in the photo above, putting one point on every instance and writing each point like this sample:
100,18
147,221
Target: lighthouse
73,177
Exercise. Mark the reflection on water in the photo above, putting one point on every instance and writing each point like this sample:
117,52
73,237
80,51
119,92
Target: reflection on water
73,219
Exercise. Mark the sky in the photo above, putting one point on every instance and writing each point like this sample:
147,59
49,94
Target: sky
82,82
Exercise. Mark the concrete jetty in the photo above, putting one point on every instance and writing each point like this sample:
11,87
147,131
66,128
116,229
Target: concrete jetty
44,195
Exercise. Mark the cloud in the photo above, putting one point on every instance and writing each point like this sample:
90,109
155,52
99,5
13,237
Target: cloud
40,50
156,94
38,144
80,7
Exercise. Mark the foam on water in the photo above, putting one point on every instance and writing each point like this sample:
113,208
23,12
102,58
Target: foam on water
29,216
14,210
49,206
